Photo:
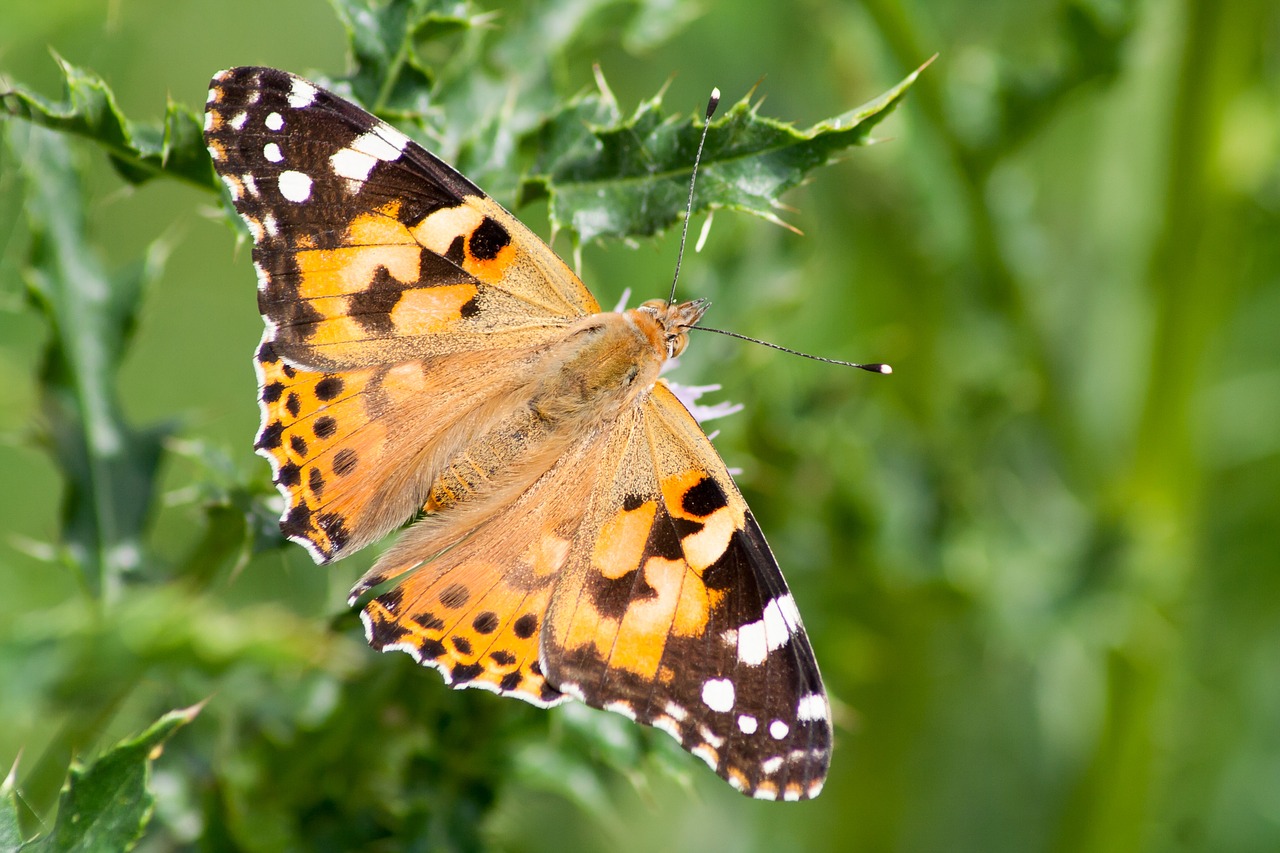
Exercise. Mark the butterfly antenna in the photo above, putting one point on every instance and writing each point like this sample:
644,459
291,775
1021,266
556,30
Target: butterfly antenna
870,368
688,210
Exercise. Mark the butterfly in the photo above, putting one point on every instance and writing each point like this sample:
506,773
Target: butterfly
577,536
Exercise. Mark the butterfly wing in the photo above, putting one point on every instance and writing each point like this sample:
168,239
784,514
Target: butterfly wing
390,286
672,611
370,249
475,582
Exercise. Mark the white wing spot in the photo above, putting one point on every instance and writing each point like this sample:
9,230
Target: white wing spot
272,152
752,645
677,712
208,121
569,688
274,121
811,707
717,693
301,94
269,223
771,632
213,96
669,726
355,166
710,737
239,120
357,160
234,186
772,765
264,282
707,754
295,186
251,185
778,729
623,708
747,724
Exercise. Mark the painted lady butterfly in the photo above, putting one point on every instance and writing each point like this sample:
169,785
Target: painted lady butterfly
580,537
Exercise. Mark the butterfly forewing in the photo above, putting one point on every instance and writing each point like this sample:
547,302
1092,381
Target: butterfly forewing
411,323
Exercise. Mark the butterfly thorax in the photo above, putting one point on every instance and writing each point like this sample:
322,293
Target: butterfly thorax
606,363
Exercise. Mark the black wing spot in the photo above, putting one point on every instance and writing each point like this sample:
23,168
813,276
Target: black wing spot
427,621
486,623
289,475
463,645
272,391
488,240
316,481
704,498
372,306
344,461
297,522
335,528
526,626
299,444
272,436
293,404
385,634
454,596
329,387
324,427
457,251
464,672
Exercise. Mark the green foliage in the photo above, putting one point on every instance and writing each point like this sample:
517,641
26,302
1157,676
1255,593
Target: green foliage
109,468
140,152
107,805
609,176
1037,563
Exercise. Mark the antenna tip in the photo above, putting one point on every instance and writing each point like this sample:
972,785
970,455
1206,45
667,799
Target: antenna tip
884,368
714,102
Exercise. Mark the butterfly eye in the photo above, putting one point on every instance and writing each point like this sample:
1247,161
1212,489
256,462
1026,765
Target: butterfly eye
632,373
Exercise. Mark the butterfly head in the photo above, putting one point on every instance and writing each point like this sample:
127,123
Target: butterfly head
674,321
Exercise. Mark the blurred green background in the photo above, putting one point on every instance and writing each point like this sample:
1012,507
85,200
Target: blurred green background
1040,564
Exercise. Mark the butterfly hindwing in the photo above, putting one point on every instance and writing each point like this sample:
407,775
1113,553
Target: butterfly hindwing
673,612
475,586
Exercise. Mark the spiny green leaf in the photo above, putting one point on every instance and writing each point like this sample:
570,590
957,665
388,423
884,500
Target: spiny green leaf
389,75
613,177
108,466
175,147
10,831
106,806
